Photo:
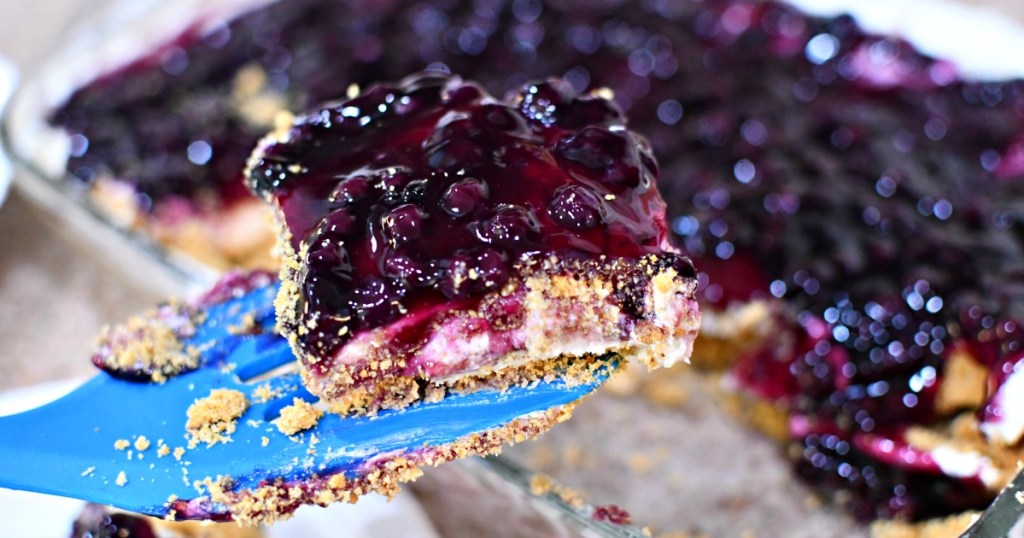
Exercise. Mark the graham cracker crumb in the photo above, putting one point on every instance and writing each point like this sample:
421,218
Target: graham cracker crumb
121,444
277,499
118,200
141,443
212,420
542,457
299,416
253,100
542,484
178,453
665,391
163,451
264,393
248,325
640,463
768,417
151,344
963,384
122,479
264,441
726,335
812,502
573,455
951,526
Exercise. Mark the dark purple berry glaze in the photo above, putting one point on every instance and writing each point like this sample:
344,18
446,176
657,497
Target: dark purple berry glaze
97,521
864,184
430,192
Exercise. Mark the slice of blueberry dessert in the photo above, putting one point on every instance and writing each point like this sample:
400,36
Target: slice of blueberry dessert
436,238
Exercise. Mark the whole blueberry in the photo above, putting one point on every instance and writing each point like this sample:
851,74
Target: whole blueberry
576,207
603,154
510,224
338,224
351,190
463,196
471,272
403,224
458,154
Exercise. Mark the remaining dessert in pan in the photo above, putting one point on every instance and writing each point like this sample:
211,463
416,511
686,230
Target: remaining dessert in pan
852,202
855,205
434,237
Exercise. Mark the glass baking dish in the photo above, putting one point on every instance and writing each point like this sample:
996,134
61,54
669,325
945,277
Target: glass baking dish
115,35
41,151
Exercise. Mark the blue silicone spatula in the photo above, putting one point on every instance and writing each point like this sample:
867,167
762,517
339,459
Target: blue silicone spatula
67,447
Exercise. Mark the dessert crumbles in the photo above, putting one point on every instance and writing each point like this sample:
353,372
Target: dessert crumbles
213,419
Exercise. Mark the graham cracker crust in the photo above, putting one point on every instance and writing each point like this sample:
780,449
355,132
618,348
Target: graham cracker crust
278,500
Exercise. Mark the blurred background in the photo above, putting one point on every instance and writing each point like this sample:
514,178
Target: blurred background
54,298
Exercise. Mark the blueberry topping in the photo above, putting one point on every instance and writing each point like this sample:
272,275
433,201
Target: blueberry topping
440,202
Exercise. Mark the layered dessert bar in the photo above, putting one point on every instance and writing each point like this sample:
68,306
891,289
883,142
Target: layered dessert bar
435,238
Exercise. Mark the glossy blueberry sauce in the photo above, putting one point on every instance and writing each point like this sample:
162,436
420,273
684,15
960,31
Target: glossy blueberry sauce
428,193
862,183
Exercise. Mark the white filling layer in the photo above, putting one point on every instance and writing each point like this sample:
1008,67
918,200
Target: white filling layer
465,345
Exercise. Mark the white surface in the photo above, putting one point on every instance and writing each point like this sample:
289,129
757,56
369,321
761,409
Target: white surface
7,77
983,43
33,515
1008,428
